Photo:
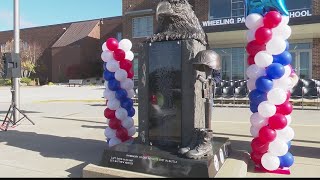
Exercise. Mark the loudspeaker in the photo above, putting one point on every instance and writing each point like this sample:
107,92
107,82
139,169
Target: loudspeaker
12,65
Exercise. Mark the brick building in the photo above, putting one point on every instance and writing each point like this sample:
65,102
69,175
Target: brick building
65,51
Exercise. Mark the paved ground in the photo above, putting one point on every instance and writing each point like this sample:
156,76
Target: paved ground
68,134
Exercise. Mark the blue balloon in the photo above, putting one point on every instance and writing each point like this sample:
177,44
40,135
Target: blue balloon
131,112
287,45
284,58
107,75
289,144
264,84
257,97
127,103
104,66
262,7
254,107
275,71
121,94
113,85
286,160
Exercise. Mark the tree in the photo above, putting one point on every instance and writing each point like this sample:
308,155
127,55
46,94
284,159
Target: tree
29,54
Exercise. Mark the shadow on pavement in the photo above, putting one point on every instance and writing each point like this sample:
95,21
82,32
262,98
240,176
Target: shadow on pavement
87,151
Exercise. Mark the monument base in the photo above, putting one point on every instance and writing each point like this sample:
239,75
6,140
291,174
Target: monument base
166,162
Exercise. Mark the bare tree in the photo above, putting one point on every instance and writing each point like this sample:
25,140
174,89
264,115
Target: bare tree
29,54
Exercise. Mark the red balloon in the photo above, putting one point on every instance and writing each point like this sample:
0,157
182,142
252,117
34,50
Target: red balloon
272,19
112,44
267,135
109,114
263,35
256,157
285,108
254,47
251,60
115,123
130,74
126,65
125,139
288,95
258,146
119,55
278,122
122,133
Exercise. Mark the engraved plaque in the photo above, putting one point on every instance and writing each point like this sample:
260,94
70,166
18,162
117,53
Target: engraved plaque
165,93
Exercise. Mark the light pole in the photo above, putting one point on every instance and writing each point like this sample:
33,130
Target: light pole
16,81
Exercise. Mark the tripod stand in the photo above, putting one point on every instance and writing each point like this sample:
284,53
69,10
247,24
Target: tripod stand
11,113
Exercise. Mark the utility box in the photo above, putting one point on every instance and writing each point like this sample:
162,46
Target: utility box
11,65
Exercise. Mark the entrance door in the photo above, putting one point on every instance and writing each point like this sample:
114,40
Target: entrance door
302,63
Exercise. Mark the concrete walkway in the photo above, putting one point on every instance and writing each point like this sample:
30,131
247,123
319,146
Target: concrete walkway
68,134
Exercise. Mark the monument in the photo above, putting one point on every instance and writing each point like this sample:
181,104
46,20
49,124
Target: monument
175,94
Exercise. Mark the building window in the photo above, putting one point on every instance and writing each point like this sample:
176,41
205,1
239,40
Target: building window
302,59
233,63
142,26
294,5
136,70
220,9
119,36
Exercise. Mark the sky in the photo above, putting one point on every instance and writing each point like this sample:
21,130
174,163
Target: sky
35,13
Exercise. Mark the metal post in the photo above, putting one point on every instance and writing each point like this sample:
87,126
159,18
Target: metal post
16,84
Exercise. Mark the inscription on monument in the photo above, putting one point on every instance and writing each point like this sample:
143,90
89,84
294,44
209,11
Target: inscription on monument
165,92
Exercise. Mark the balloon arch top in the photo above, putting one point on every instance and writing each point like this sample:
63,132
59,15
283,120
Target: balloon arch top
270,74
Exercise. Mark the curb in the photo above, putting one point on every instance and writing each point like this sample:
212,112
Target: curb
236,165
94,171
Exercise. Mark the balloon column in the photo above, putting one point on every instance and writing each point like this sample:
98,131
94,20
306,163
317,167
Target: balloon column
270,80
118,75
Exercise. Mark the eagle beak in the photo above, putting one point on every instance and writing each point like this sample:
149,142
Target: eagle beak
164,8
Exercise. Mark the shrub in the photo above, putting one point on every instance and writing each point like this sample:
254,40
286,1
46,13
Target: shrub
26,80
50,83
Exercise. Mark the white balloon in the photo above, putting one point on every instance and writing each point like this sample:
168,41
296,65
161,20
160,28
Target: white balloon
113,65
127,84
254,21
107,121
276,45
270,162
254,71
113,104
282,83
287,71
132,131
131,93
286,134
109,95
251,84
251,35
125,45
285,20
267,109
121,114
129,55
128,123
277,96
258,121
278,147
104,46
254,131
283,31
263,59
107,56
121,75
109,133
289,119
114,141
106,84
